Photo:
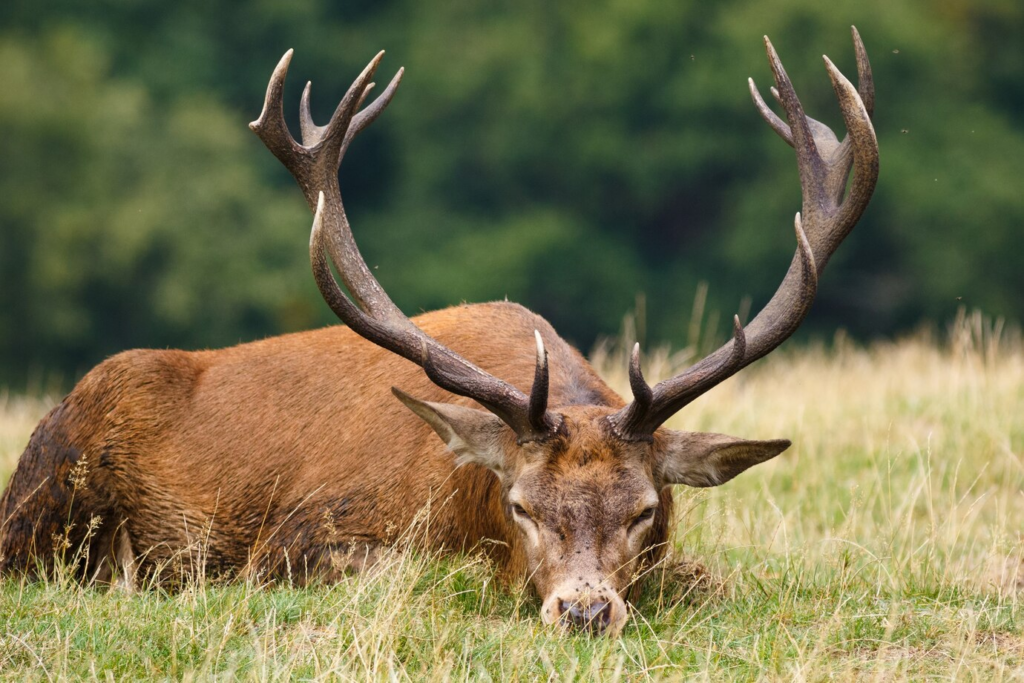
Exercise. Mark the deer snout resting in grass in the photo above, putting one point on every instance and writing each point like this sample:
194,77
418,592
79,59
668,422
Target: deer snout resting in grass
542,466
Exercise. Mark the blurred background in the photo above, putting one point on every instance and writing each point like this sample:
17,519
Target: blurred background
568,155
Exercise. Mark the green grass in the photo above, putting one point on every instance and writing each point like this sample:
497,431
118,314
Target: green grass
886,544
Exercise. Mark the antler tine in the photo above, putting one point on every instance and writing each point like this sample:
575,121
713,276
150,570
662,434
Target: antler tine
311,133
642,394
809,162
826,219
780,127
271,126
368,115
537,413
865,78
630,426
861,137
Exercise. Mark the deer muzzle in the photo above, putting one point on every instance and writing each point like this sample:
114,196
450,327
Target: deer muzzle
599,610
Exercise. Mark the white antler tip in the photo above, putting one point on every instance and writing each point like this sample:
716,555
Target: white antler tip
318,224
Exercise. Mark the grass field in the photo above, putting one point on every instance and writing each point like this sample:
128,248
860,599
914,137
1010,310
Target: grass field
886,544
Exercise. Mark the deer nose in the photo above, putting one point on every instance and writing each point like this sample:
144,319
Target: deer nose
594,616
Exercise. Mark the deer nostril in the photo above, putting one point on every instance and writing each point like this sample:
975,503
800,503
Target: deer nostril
601,615
595,616
571,611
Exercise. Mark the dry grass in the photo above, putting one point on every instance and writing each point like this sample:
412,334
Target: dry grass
886,544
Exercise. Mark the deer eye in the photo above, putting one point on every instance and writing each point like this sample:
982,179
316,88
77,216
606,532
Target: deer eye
644,516
519,511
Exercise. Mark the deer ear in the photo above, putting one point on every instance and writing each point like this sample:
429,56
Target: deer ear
473,435
706,459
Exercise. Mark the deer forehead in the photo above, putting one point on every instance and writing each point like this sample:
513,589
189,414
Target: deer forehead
579,487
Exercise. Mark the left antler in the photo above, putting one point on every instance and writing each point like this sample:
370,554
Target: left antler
824,164
374,316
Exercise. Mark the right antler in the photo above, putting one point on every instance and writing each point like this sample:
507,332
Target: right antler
824,164
314,164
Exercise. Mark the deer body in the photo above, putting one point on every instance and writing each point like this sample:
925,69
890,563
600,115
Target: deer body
261,457
287,457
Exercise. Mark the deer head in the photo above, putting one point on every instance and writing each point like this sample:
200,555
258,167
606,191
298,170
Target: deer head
587,486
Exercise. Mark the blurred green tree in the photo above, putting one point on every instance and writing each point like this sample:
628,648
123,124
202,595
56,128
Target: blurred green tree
566,155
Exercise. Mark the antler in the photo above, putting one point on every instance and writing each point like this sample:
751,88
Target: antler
824,164
373,315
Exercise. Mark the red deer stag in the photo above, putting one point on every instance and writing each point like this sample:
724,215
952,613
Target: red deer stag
233,461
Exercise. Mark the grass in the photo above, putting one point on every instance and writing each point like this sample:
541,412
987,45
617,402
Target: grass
886,545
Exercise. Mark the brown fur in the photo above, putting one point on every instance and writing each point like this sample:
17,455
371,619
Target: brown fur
271,455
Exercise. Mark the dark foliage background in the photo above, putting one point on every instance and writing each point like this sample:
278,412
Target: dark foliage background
567,155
